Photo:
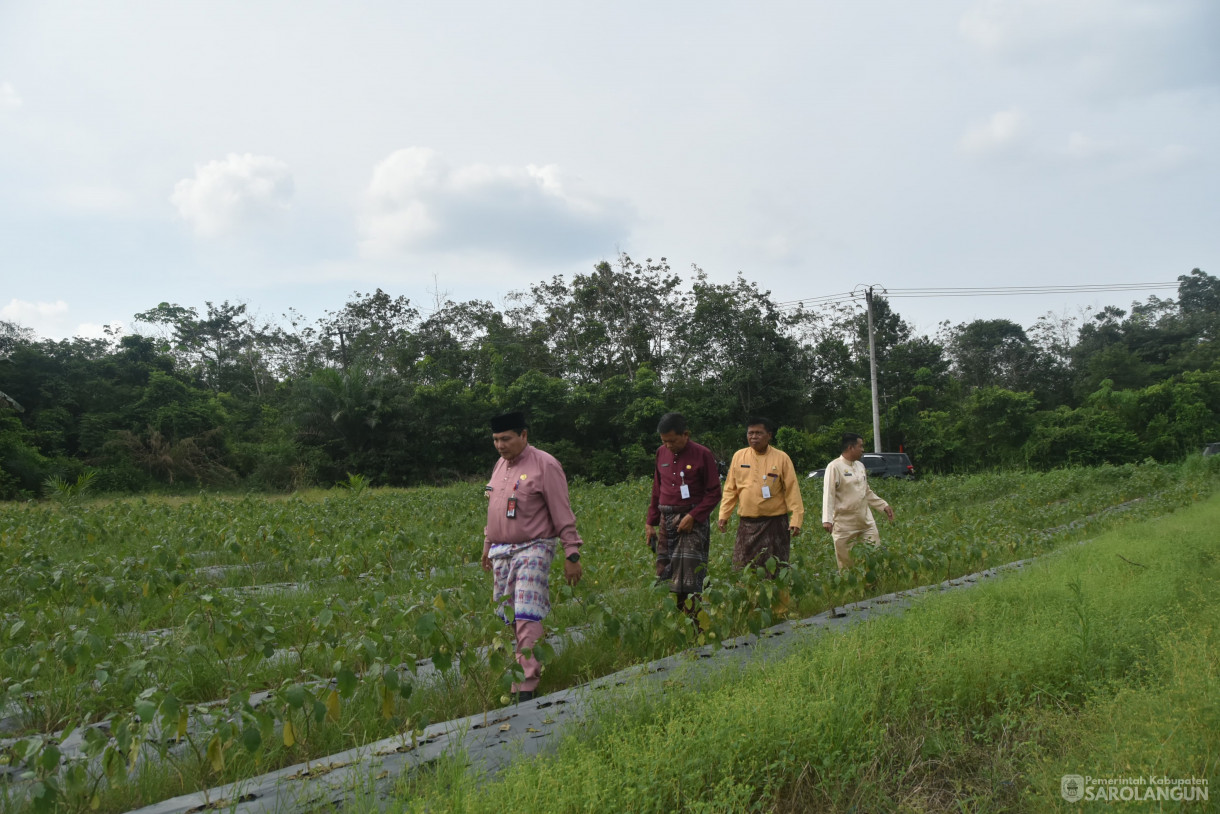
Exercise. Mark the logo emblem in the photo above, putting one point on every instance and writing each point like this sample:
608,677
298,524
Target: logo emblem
1071,786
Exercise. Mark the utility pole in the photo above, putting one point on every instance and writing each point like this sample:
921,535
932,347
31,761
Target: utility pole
872,369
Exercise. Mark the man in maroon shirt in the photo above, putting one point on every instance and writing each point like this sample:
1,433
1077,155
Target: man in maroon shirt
685,489
528,513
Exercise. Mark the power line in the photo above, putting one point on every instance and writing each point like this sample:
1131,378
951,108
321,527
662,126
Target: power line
1008,291
823,300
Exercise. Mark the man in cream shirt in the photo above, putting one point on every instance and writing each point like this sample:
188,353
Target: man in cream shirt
846,501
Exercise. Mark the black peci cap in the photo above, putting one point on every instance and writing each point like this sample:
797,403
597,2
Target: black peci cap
509,422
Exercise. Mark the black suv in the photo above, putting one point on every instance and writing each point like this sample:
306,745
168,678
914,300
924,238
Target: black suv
888,465
881,465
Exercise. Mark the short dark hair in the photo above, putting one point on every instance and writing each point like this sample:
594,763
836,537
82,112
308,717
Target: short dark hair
671,422
849,439
767,423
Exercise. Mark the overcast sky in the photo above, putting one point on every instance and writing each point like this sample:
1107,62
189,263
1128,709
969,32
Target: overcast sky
286,154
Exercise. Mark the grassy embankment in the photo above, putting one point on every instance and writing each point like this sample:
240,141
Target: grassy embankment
1101,660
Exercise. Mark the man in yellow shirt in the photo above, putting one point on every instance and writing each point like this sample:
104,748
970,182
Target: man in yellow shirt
846,498
762,483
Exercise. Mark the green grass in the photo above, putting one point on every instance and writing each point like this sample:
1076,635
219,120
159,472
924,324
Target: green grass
1100,660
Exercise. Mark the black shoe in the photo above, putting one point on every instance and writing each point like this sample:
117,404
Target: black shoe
526,695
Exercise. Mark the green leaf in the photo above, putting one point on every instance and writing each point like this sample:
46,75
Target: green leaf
169,707
442,661
147,710
544,652
49,759
252,739
347,682
426,626
295,696
390,677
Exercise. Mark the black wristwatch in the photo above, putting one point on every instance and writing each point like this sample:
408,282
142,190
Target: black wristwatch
574,556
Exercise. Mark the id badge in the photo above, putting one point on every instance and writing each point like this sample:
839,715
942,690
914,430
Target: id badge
766,491
512,506
685,492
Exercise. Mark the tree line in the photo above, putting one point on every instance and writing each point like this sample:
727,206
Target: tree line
378,388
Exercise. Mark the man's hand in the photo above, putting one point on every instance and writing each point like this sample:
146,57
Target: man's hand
650,536
686,524
889,512
572,572
828,526
722,524
794,530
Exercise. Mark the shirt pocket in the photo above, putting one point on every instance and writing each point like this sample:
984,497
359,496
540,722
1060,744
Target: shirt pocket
529,493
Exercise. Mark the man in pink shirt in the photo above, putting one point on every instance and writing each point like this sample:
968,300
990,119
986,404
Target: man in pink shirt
528,514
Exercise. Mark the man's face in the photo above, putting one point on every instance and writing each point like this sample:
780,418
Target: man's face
675,442
757,437
854,452
509,444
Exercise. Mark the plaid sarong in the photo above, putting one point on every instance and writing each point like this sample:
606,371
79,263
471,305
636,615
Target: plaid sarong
759,539
521,577
682,558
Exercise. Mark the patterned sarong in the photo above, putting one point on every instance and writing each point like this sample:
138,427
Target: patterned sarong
759,539
521,577
682,558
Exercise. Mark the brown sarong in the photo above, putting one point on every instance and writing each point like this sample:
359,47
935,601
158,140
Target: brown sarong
682,558
759,539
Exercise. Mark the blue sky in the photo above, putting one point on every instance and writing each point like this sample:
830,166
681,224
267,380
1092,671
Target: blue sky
286,154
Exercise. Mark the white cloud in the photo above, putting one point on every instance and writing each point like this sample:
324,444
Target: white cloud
50,320
418,203
1000,133
30,313
9,98
232,194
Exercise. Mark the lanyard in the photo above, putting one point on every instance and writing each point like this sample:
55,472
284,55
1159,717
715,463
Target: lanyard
511,510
